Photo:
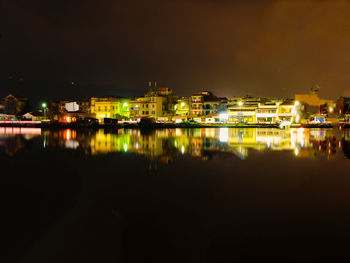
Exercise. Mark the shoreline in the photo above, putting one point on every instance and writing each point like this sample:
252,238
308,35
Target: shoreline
161,126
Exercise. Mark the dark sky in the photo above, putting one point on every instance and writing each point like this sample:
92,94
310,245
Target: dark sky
274,48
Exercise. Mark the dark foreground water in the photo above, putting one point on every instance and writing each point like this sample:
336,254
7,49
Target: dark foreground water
175,195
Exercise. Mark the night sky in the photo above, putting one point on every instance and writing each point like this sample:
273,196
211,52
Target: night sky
273,48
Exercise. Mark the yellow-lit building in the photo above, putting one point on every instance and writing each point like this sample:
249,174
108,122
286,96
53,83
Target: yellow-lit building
182,107
267,112
287,111
147,107
156,105
110,107
241,113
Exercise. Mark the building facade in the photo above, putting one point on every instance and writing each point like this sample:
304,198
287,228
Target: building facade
157,105
267,112
182,107
109,107
314,104
206,103
15,105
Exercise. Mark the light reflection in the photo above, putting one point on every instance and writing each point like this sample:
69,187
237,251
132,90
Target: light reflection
165,144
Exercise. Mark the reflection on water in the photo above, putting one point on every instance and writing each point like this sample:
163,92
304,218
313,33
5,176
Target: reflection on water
165,144
14,140
88,197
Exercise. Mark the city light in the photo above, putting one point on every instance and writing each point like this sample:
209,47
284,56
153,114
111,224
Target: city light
223,116
240,103
43,105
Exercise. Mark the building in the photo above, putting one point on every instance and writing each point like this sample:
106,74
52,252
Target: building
56,110
148,107
287,112
243,109
33,116
241,113
248,100
109,107
85,105
15,105
251,110
206,103
343,105
157,105
182,107
312,104
69,111
267,112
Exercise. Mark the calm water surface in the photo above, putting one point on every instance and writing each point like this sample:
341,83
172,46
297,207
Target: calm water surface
175,195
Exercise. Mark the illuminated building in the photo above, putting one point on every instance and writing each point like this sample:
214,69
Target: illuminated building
267,112
287,111
241,113
206,103
182,107
147,107
57,109
110,107
243,109
156,105
34,116
251,110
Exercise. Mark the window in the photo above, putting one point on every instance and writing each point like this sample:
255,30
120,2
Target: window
112,107
105,108
153,112
99,108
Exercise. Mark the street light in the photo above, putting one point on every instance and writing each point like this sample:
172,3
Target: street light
44,105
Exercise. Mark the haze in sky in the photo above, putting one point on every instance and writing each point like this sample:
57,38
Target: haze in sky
272,48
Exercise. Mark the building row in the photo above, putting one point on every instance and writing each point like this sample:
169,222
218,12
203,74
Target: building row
162,105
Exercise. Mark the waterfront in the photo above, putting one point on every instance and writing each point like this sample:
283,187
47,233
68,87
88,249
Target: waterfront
170,195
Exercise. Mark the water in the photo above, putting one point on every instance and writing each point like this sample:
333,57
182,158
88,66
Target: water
175,195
